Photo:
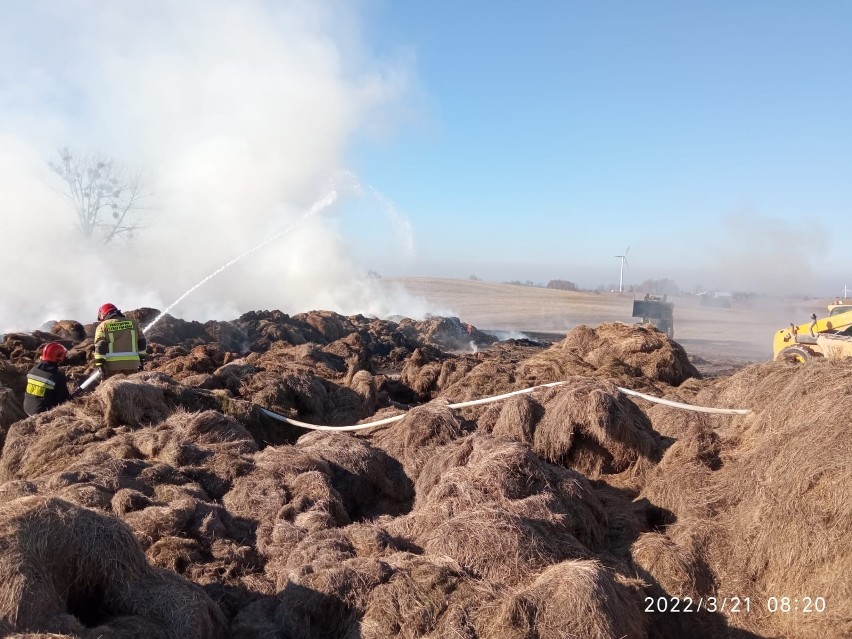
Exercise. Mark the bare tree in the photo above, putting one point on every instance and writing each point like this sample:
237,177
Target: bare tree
105,195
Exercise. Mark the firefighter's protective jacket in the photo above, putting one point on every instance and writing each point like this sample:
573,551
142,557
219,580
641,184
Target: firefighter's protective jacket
47,387
119,345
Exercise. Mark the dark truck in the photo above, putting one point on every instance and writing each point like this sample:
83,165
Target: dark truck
656,311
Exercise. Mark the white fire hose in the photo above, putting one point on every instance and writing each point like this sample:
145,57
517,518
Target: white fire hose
497,398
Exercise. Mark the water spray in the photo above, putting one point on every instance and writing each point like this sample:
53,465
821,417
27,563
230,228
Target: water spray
326,201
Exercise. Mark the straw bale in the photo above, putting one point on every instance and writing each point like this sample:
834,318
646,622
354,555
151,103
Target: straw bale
413,439
368,479
65,568
643,349
571,599
131,402
588,425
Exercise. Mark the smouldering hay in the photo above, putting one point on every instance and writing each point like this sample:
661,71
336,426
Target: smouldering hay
129,402
370,482
66,569
413,439
570,599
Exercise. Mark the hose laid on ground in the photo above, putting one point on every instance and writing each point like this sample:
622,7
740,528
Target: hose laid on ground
497,398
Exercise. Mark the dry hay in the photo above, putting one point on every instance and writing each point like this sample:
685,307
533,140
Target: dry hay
501,547
370,482
499,511
289,494
483,380
325,601
412,439
635,354
396,594
11,410
775,512
426,596
48,442
423,368
585,424
130,402
66,568
570,599
681,482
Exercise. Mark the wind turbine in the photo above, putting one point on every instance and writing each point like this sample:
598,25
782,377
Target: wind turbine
623,264
846,291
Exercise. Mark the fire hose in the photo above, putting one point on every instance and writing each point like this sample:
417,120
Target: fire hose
497,398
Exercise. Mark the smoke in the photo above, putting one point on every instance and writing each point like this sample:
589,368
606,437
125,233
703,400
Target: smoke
239,114
767,254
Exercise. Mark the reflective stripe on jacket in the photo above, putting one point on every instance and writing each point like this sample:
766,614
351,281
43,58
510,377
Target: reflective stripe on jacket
46,387
121,337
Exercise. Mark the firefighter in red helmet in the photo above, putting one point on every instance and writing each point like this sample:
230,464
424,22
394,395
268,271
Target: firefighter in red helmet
120,346
47,385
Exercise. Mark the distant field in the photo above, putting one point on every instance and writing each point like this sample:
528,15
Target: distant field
741,333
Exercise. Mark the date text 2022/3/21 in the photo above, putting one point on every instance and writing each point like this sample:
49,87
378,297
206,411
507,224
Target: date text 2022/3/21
737,605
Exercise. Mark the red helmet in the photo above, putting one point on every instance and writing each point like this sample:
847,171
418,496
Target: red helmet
105,310
54,352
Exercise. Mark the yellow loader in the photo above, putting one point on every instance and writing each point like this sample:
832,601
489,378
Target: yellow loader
829,336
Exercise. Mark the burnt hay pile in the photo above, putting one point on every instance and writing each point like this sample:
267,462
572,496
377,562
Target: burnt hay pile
167,504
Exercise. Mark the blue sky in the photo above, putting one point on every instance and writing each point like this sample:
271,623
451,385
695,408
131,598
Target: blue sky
714,139
511,140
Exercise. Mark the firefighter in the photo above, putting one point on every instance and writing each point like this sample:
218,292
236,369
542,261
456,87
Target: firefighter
47,385
120,346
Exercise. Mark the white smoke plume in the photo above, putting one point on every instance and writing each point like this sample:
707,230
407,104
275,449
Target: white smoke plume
239,113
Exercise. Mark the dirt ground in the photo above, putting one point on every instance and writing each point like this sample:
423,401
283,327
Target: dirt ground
717,340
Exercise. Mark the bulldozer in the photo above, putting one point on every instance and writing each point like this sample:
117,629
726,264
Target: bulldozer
829,336
656,311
